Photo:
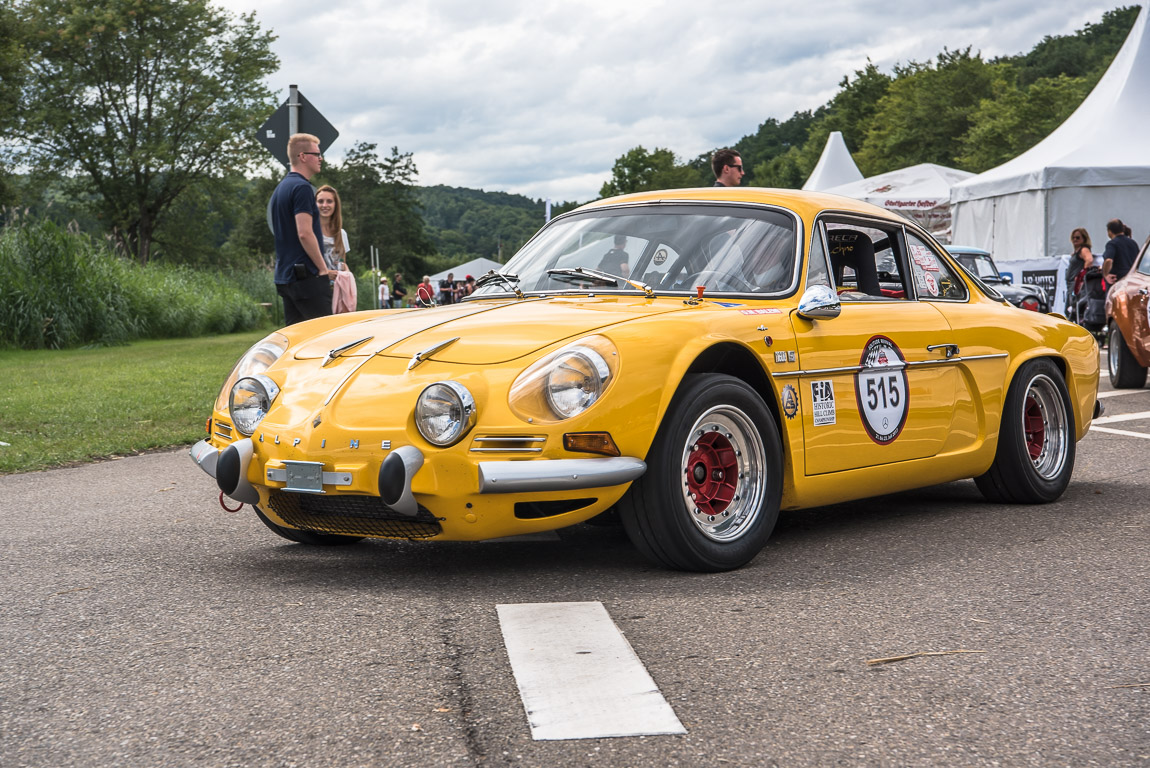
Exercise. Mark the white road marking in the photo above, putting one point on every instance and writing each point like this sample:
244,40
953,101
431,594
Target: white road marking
1123,432
1116,392
1123,417
578,676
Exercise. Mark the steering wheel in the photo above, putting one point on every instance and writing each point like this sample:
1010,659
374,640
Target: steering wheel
718,281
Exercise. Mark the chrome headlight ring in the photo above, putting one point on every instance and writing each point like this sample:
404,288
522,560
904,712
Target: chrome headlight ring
249,401
444,413
575,381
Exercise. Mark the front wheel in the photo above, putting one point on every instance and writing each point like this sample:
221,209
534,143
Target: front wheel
710,497
1035,455
1125,373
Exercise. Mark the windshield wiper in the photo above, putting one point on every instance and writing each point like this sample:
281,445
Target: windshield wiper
603,278
511,281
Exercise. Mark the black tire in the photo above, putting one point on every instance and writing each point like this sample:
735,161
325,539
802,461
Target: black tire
306,537
1125,373
1035,455
716,426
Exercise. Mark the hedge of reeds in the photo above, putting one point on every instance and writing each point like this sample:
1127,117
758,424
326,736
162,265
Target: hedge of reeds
61,289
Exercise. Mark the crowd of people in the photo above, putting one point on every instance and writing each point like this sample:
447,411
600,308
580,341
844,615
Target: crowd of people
1089,275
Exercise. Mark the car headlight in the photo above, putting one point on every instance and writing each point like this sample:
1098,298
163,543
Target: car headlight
249,401
256,360
444,412
567,382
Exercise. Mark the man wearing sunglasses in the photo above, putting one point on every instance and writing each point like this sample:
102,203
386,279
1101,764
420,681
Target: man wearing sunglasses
728,168
302,278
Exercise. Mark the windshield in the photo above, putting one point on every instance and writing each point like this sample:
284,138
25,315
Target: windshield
669,247
982,266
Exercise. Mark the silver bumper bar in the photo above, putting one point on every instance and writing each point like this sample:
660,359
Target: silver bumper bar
557,474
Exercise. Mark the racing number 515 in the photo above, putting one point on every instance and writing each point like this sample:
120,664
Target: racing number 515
885,388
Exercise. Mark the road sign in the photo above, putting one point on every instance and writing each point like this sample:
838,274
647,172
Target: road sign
274,133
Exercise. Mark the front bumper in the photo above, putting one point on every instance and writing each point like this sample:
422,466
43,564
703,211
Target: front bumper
230,466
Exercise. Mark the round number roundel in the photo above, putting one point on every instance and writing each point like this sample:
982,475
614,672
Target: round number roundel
882,390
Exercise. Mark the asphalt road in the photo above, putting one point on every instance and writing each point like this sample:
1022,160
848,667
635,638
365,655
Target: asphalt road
140,625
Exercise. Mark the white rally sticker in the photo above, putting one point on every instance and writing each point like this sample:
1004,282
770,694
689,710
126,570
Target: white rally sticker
882,390
823,402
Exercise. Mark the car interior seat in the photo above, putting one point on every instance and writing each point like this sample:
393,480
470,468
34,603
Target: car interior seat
851,248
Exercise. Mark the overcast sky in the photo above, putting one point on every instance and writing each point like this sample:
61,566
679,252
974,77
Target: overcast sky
541,97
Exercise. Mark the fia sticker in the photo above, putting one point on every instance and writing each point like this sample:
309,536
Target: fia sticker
882,390
823,402
790,401
780,356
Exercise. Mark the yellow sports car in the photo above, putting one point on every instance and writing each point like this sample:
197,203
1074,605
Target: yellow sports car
695,359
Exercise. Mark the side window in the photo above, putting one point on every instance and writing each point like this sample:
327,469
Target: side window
1143,259
863,263
933,277
817,273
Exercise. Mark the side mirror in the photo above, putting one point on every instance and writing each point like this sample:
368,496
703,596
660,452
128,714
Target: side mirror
819,301
1006,278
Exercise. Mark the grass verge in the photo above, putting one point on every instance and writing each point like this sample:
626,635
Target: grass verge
58,407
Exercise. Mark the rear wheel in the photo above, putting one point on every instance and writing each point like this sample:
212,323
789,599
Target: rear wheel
710,496
306,537
1125,373
1035,455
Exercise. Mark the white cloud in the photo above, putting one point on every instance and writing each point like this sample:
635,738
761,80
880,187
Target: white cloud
541,97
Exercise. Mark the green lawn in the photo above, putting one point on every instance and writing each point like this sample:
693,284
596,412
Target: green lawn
63,406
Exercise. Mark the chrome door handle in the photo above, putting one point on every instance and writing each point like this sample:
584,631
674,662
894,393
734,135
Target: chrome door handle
951,350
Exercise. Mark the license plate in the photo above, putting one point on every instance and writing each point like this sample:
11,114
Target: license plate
304,476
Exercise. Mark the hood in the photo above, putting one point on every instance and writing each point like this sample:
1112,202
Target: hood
489,332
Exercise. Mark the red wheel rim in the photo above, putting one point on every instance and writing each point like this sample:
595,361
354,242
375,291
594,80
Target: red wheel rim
1035,427
712,473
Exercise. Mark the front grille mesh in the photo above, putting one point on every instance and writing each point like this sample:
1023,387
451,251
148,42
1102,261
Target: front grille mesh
351,516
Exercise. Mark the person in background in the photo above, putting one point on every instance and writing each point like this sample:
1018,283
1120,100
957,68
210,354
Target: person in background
468,286
335,247
302,278
397,291
447,289
1120,253
614,259
425,293
1080,259
384,294
727,165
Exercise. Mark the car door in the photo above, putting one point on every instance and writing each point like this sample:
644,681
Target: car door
875,385
1136,286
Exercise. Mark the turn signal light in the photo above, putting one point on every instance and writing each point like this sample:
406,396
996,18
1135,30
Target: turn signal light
208,427
591,442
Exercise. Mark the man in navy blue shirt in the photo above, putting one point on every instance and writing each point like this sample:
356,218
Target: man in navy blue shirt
302,278
1120,251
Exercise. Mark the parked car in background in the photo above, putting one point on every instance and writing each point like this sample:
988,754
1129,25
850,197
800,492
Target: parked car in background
981,265
694,360
1127,309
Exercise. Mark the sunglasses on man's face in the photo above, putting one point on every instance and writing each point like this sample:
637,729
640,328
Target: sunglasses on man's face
738,168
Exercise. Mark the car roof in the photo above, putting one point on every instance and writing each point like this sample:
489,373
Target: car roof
806,204
967,249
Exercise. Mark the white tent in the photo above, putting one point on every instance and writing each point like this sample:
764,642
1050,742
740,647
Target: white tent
1092,168
476,268
835,166
920,192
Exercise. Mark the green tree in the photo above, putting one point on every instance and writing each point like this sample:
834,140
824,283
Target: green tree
143,99
11,79
925,113
1016,119
639,170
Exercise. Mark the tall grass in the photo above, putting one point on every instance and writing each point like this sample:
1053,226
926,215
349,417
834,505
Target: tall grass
60,289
